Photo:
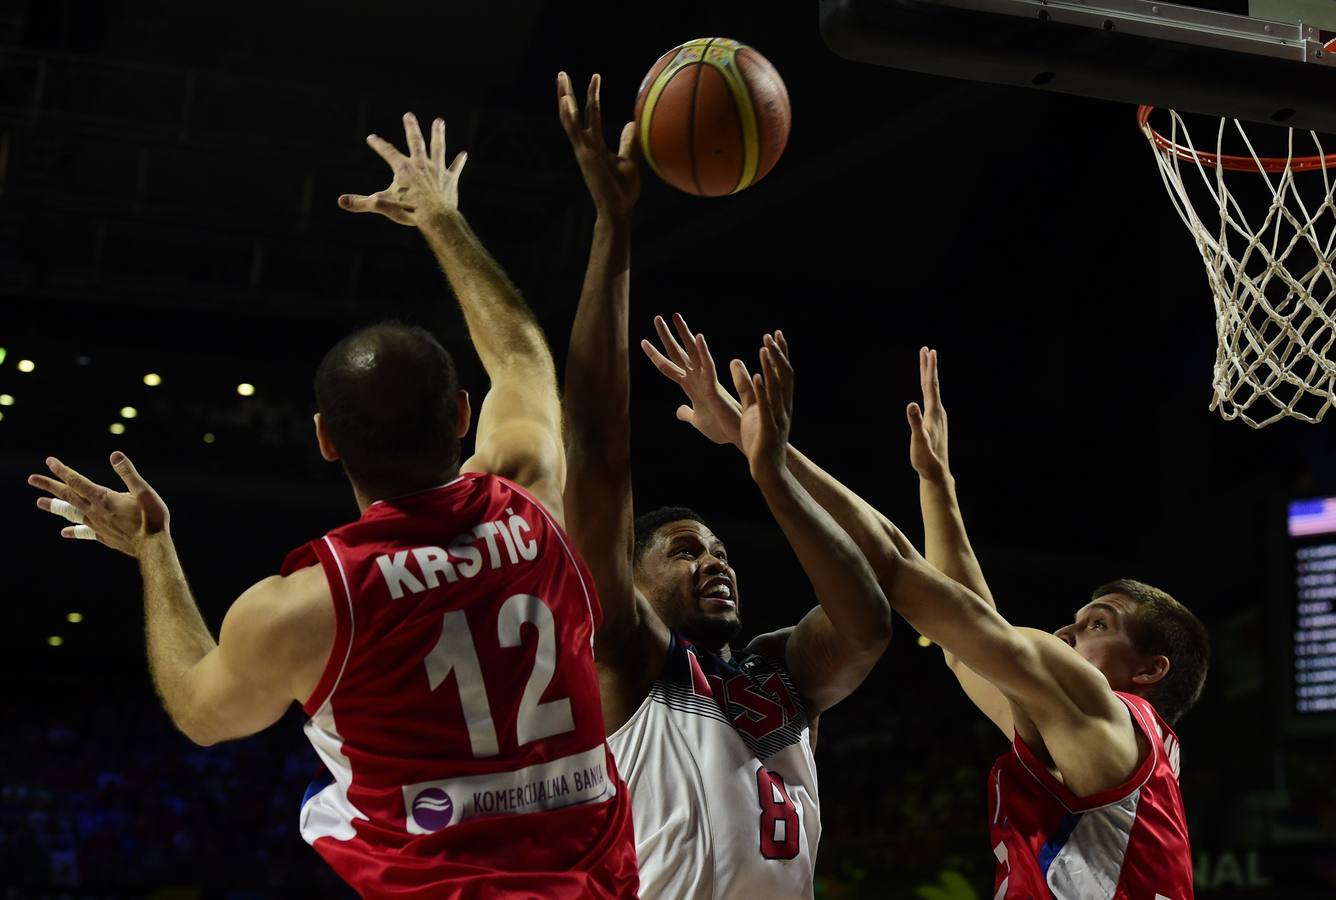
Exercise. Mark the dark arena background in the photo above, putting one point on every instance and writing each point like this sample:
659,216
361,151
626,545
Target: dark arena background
168,178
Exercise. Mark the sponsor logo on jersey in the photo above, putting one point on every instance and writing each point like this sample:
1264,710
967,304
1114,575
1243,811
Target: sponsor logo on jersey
433,809
579,778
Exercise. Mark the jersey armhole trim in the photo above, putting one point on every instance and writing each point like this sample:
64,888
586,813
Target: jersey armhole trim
341,596
586,585
1064,794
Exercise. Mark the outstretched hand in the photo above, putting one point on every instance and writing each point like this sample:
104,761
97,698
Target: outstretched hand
927,425
712,410
767,408
423,184
613,179
123,520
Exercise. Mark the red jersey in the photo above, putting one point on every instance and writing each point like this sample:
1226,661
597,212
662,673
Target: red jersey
458,717
1127,843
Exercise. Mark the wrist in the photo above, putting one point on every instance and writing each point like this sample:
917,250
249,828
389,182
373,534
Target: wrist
941,483
611,220
441,220
770,475
155,545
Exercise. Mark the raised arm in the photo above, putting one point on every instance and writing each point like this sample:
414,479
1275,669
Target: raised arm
1084,726
519,424
630,642
835,645
274,640
715,413
946,543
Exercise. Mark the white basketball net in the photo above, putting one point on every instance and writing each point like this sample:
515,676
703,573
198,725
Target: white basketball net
1271,272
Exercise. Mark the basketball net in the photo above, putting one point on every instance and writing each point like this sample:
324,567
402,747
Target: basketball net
1270,269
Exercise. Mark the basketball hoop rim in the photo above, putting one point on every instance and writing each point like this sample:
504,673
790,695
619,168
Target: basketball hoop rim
1227,162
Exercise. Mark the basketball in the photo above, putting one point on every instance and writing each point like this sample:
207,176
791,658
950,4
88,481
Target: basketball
714,117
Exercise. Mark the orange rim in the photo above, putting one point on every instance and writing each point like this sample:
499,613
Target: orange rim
1232,163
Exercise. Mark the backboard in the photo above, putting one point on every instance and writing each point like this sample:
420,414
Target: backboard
1256,60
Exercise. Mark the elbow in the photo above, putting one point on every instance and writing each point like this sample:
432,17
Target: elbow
198,737
883,627
875,632
195,731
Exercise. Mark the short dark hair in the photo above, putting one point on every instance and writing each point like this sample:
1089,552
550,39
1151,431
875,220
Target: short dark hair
386,395
648,524
1165,627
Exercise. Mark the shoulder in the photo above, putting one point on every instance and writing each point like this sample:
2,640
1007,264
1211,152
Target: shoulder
1065,671
529,454
282,615
772,645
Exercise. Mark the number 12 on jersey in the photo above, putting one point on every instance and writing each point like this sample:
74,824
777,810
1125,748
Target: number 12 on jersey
456,652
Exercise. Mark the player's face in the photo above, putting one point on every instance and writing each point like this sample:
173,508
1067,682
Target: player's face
1100,634
686,577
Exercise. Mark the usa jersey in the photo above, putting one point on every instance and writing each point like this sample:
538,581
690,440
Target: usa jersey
458,717
719,762
1126,843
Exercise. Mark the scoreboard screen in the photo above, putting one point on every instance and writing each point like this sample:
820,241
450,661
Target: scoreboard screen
1312,612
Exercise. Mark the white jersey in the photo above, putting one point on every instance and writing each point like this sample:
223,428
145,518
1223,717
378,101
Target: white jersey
723,782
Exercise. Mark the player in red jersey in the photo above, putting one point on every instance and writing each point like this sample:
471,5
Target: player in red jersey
442,643
1086,805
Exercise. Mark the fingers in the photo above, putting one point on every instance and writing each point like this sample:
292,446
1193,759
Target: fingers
626,145
782,342
86,489
417,147
774,399
59,490
762,400
742,383
67,511
673,349
915,417
594,108
567,110
458,165
79,533
378,202
704,359
386,151
129,474
688,339
932,394
663,363
783,368
438,144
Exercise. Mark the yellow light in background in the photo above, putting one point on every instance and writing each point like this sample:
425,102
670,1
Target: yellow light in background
26,365
208,437
2,417
924,642
128,412
117,428
152,379
6,400
245,389
55,640
74,618
2,355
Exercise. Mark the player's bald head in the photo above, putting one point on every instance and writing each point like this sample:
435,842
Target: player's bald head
387,397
